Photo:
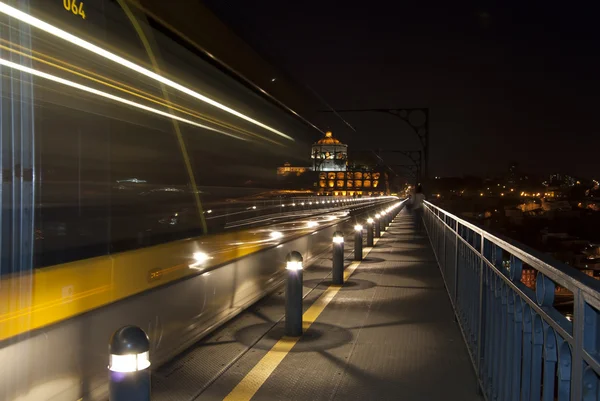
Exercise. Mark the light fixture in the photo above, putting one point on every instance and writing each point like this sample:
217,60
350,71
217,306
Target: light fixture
358,227
312,224
370,220
130,362
338,239
377,216
293,261
293,265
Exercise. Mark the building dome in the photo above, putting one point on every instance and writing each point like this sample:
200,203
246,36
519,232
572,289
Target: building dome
329,154
328,140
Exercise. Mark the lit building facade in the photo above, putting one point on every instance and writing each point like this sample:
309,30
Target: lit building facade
353,183
288,169
329,154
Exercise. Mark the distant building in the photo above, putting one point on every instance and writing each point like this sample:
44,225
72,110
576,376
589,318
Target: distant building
287,169
332,174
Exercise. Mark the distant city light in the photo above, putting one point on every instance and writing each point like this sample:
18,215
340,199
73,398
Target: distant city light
209,211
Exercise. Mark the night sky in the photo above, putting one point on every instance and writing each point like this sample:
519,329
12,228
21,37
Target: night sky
513,81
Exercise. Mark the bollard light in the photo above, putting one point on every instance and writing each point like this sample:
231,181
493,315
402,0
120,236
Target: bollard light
293,265
129,360
338,239
358,246
338,258
370,222
382,221
293,295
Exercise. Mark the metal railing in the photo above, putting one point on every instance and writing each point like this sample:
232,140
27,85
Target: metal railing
522,346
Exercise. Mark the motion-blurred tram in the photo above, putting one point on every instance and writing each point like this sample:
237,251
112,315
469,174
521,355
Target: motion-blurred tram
133,180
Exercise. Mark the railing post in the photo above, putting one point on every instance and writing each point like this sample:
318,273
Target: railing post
577,357
480,334
377,225
456,259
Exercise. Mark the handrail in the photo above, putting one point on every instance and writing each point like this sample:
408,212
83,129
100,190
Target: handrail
521,346
566,275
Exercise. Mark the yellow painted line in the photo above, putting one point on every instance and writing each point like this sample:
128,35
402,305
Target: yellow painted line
253,381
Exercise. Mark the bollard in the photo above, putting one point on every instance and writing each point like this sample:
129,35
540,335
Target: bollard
370,231
338,258
293,295
129,360
383,220
377,225
358,245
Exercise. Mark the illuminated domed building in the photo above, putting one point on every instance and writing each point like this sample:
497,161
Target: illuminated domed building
334,175
329,154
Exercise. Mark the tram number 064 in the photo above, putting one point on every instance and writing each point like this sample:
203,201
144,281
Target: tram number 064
75,7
